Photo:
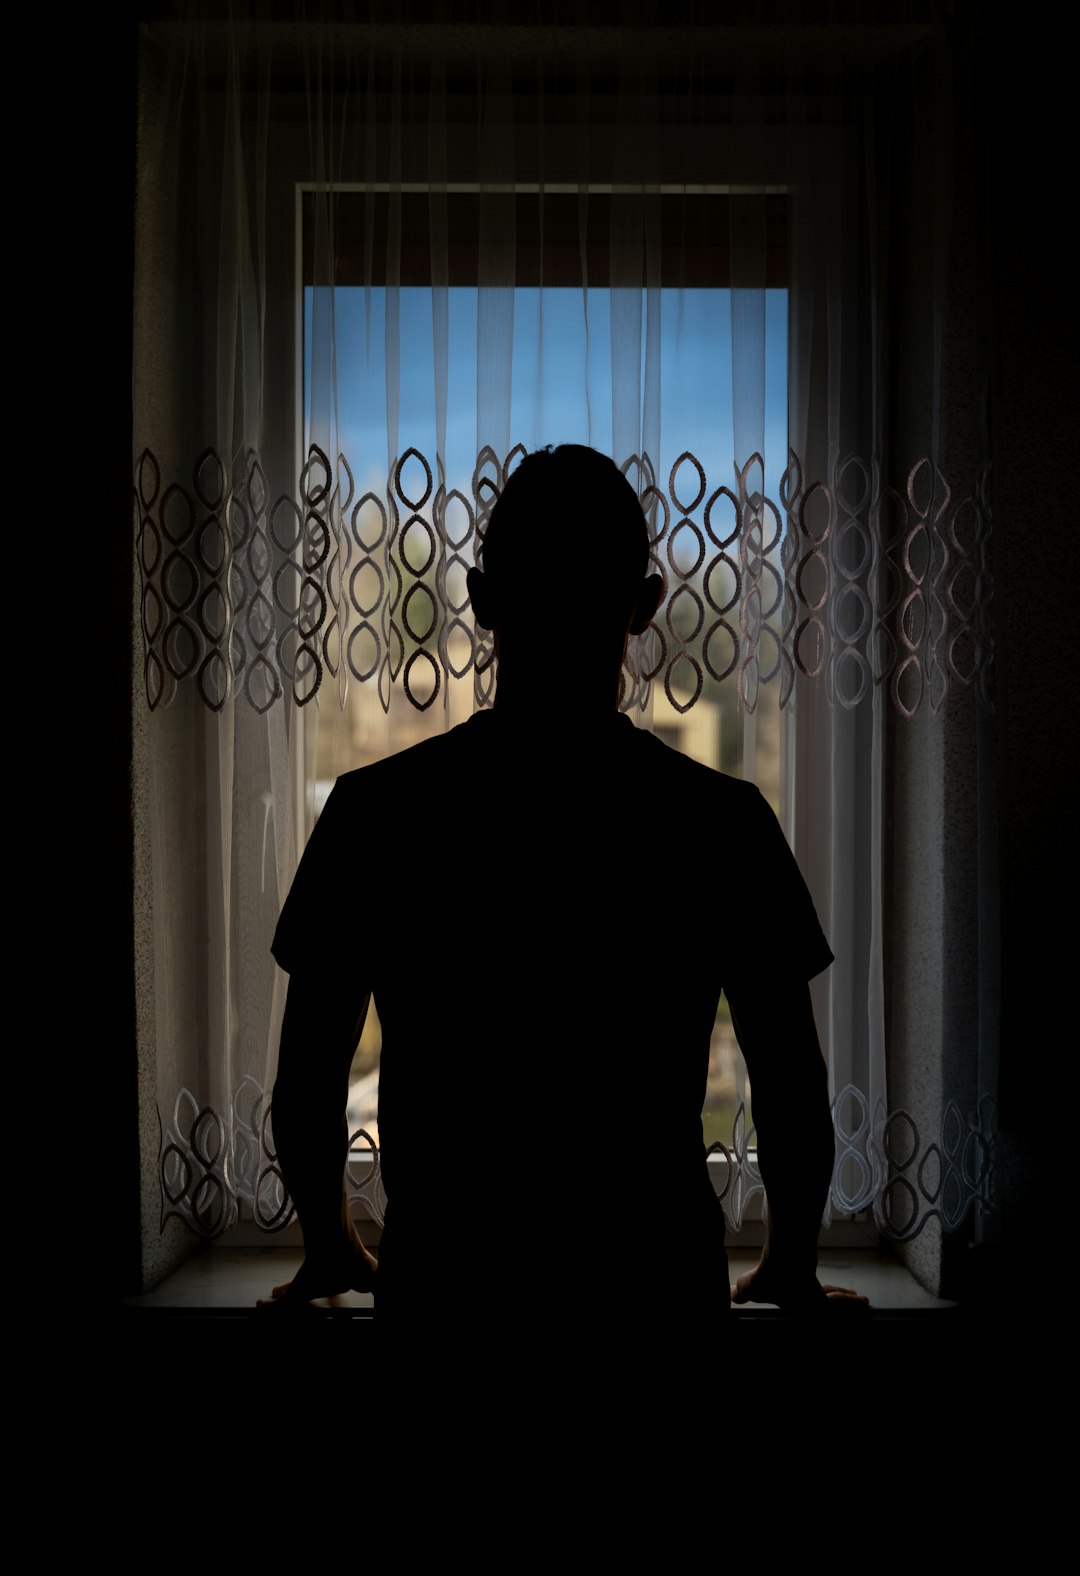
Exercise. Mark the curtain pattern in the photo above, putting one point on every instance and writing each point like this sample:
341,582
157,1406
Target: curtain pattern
210,1163
843,580
855,587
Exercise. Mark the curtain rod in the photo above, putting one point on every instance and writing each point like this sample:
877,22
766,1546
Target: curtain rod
551,189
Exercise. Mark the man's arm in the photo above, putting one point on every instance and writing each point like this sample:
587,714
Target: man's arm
774,1024
319,1035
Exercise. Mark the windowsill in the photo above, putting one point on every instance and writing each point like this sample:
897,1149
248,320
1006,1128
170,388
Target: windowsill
226,1282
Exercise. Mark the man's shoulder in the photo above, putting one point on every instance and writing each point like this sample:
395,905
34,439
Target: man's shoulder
477,745
416,763
687,775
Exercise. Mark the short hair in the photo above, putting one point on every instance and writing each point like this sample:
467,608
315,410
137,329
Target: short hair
584,497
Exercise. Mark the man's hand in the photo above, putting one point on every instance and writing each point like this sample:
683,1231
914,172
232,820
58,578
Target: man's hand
318,1037
349,1268
796,1294
775,1029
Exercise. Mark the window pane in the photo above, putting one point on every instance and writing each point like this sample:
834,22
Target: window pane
561,393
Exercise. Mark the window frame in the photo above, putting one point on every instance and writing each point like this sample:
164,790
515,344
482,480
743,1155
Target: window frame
847,1231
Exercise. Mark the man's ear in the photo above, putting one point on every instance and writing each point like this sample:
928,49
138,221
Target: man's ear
482,598
652,589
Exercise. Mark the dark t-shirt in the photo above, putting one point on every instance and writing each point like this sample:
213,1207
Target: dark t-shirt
546,925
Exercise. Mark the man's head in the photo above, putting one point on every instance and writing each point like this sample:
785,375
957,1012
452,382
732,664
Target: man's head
566,537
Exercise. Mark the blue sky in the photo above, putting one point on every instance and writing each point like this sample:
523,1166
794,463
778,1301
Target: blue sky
561,391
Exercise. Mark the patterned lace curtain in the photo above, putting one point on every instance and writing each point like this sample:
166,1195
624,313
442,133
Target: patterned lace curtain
376,263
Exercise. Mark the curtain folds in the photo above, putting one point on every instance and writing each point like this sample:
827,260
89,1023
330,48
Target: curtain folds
376,263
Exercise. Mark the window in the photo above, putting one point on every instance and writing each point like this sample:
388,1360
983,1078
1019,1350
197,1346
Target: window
620,140
561,366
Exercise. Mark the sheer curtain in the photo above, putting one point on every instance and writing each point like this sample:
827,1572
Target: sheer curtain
375,263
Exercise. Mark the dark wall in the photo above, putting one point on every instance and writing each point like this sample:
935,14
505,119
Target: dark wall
94,259
1027,126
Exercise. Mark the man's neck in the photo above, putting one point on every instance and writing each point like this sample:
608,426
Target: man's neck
530,690
578,711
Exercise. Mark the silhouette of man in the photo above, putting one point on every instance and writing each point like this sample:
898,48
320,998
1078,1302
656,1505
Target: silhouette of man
546,903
